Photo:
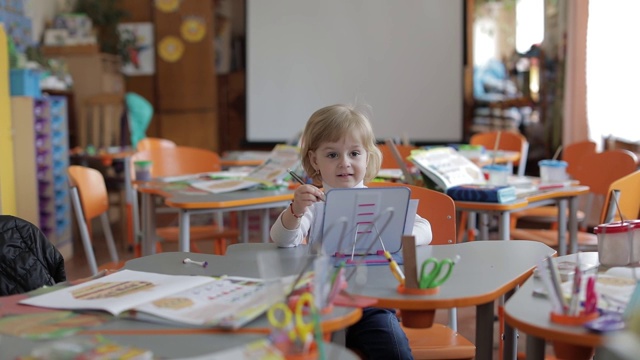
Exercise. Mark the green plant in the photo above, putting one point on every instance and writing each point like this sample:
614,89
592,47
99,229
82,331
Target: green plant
105,15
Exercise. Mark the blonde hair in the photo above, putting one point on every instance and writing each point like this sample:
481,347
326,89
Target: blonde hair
333,123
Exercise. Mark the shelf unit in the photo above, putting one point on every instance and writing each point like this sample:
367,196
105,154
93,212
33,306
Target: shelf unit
41,158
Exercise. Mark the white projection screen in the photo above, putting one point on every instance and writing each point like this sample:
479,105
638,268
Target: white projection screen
403,59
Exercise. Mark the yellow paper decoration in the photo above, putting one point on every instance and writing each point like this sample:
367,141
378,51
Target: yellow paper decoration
167,5
171,49
193,29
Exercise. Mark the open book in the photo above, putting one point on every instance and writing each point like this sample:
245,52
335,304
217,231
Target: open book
446,167
227,302
270,172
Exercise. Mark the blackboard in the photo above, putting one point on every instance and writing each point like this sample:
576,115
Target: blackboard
404,59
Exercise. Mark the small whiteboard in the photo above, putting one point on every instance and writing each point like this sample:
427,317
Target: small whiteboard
356,220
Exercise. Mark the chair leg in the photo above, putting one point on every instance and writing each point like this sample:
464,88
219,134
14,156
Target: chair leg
84,231
106,228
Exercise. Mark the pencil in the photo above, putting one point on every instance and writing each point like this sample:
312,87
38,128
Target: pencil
299,179
295,177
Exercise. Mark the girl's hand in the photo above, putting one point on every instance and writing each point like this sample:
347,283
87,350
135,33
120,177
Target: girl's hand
304,197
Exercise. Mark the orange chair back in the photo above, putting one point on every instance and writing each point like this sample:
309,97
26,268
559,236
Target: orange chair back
389,162
92,189
598,171
438,208
510,141
151,143
573,153
629,201
179,160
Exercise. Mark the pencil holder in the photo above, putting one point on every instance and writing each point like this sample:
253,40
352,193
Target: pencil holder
417,319
290,353
573,320
415,291
563,350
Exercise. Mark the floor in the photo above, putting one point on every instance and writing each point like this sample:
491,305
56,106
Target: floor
77,267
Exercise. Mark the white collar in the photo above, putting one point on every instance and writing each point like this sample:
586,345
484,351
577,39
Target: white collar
326,187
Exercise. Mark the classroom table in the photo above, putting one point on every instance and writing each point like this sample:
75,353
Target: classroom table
486,271
189,201
530,314
496,157
165,344
243,158
247,266
563,197
172,340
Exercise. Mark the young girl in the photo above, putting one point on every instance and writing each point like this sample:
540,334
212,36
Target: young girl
339,151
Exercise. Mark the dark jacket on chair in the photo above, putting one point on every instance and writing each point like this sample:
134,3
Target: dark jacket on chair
27,259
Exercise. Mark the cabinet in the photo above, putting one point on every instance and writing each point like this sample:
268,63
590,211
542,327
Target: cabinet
92,74
41,158
231,114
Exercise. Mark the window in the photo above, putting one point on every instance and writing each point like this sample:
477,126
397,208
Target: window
612,70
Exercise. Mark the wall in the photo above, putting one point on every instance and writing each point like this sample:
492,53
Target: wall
41,12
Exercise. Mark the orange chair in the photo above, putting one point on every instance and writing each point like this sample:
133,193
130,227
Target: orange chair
510,141
151,143
438,341
604,169
182,160
389,161
627,191
573,154
90,200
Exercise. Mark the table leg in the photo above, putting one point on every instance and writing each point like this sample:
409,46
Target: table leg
535,348
471,226
510,349
148,225
484,331
484,226
562,227
504,227
184,225
244,226
132,225
573,224
265,222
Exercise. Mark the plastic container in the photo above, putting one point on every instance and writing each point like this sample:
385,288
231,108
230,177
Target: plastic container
496,174
471,151
143,170
25,82
619,243
552,171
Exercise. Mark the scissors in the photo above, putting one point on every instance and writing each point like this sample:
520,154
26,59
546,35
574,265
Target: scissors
431,270
293,323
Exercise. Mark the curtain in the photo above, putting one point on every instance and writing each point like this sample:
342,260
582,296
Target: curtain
575,126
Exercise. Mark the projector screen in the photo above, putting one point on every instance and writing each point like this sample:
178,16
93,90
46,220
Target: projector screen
403,60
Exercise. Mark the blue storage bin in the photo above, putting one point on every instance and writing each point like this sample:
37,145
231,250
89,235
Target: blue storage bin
25,82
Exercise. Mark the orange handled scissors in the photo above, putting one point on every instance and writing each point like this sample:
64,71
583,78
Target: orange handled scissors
433,273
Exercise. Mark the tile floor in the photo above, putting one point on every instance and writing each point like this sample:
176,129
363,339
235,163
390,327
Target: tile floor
77,267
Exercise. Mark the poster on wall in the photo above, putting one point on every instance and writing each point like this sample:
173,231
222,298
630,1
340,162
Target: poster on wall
136,48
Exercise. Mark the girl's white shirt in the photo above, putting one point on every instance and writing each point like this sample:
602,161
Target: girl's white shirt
284,237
